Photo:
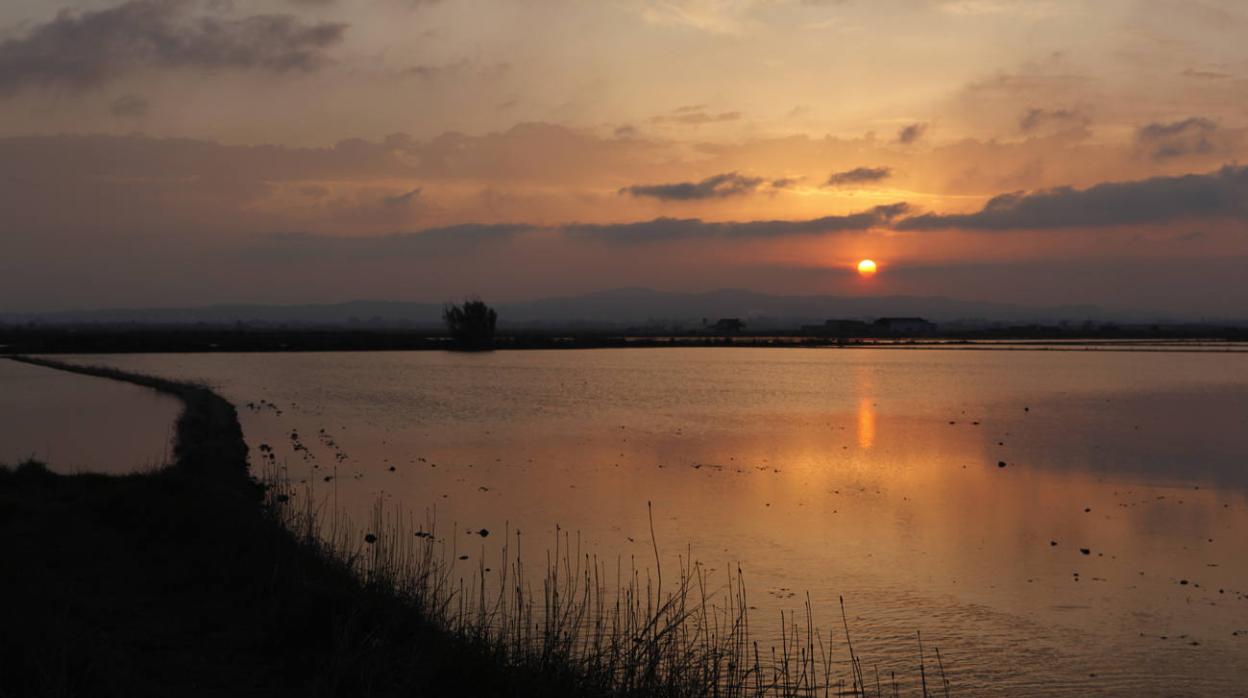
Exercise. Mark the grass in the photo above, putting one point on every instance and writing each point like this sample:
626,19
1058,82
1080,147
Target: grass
199,579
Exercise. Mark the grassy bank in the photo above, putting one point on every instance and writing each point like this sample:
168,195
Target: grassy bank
197,579
182,582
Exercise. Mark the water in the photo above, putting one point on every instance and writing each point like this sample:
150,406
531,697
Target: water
77,423
867,473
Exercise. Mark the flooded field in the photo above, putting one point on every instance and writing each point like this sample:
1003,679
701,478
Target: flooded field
80,424
1053,521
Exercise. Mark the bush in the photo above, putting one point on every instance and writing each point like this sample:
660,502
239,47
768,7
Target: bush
471,324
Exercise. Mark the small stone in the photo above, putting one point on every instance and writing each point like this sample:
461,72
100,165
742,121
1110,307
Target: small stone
1085,551
370,538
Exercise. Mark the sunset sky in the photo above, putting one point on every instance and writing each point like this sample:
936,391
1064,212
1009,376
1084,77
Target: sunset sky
186,152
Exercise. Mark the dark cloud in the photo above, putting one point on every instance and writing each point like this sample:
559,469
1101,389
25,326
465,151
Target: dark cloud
1218,194
460,239
80,50
401,200
858,175
1035,119
716,187
130,106
1194,135
912,133
667,229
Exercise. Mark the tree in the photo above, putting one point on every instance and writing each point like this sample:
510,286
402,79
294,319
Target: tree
471,324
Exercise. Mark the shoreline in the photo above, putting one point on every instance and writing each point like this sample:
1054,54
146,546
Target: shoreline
51,343
184,581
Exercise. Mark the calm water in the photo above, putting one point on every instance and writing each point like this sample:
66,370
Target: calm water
868,473
77,423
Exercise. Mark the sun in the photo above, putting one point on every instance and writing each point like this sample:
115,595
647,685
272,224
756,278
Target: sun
866,267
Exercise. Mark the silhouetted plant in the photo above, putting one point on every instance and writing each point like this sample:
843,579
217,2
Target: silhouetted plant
471,324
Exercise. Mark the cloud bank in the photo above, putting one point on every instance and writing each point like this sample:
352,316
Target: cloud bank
1220,194
82,50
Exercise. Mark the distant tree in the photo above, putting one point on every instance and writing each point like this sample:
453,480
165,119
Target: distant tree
471,324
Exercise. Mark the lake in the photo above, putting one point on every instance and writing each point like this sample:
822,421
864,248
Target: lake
76,423
1053,521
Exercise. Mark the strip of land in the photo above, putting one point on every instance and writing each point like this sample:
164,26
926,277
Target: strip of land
157,339
183,582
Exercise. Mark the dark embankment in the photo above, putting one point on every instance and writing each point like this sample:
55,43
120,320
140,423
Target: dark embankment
182,582
37,339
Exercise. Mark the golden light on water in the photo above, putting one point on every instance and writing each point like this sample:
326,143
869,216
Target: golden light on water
866,267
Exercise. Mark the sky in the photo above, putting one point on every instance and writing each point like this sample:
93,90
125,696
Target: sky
158,153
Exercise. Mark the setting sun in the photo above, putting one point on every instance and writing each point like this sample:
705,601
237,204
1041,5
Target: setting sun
866,267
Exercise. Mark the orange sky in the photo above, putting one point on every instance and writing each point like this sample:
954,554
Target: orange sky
176,152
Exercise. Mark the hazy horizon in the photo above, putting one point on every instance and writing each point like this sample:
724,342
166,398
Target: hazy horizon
623,307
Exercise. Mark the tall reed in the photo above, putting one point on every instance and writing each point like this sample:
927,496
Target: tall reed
605,627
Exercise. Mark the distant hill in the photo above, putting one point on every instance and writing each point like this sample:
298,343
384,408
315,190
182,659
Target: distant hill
618,308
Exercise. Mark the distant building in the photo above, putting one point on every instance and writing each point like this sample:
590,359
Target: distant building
728,325
904,325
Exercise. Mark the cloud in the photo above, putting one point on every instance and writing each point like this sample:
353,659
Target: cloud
428,72
1217,194
80,50
716,187
473,237
1204,74
1190,136
695,115
1035,119
668,229
912,133
858,175
401,200
130,106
